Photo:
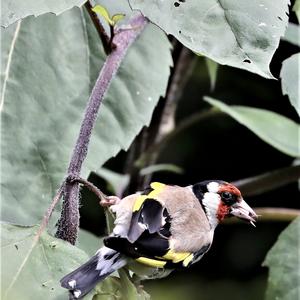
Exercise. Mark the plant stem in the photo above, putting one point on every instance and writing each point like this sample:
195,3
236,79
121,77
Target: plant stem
107,46
260,184
89,186
146,147
276,214
69,221
182,71
50,209
183,125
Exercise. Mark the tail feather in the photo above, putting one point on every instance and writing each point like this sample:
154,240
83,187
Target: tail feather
82,280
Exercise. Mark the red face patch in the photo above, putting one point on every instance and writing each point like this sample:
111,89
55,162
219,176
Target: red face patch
223,211
230,189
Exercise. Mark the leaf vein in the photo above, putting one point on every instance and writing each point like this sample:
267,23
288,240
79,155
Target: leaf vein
9,60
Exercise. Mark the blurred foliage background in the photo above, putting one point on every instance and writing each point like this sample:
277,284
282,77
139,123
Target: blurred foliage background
218,147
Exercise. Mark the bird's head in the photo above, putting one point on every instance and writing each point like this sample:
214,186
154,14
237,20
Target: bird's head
220,200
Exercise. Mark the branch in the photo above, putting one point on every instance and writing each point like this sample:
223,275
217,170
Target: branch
183,125
277,214
69,221
183,70
89,186
263,183
163,120
105,39
267,214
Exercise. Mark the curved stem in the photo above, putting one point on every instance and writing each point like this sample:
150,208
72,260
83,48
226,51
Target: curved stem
69,221
50,209
89,185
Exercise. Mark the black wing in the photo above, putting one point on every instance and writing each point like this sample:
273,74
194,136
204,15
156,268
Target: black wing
148,233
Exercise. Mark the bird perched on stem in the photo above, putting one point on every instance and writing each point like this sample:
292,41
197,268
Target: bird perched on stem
163,228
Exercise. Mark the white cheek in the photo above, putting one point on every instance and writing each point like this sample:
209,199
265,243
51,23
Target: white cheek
213,187
211,202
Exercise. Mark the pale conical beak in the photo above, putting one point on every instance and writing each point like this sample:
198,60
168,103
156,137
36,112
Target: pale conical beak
243,211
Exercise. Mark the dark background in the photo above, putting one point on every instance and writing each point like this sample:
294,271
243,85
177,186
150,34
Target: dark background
220,148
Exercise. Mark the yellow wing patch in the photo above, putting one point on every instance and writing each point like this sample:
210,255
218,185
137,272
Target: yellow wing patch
187,260
184,257
151,262
176,257
157,188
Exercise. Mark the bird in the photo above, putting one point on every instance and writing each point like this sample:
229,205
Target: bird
163,228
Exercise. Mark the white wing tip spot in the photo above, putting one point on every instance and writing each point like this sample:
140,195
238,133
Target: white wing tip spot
72,284
77,293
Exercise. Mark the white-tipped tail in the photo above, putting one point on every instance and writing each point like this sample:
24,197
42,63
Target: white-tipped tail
83,280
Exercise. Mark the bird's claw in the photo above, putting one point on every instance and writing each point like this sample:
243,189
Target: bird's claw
109,201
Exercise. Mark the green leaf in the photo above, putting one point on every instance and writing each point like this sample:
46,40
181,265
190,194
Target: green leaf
33,267
101,10
119,288
14,10
284,265
242,34
296,9
212,68
119,10
118,17
292,34
161,168
44,96
88,242
128,289
117,182
276,130
108,290
290,79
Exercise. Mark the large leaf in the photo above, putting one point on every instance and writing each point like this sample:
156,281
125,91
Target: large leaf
284,264
212,68
276,130
49,68
290,79
119,288
88,242
31,269
117,183
44,89
14,10
296,9
292,34
243,34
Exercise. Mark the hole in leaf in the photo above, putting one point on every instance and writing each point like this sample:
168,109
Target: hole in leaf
16,246
248,61
176,4
279,18
182,1
179,31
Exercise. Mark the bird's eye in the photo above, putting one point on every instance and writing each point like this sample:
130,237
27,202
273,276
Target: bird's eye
228,198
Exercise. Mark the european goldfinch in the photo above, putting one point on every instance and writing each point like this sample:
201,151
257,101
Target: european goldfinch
163,228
